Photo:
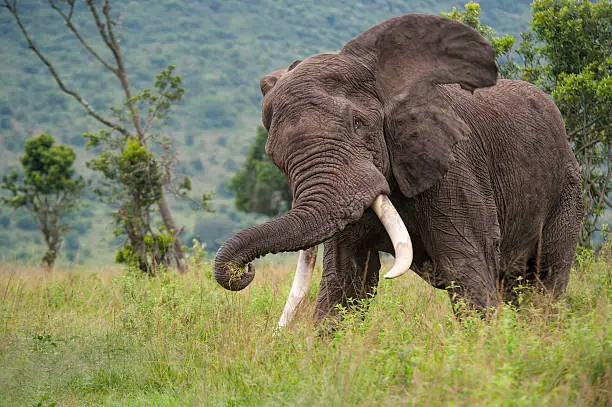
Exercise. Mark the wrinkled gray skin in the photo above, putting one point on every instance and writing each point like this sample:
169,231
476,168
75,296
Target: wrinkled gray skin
480,172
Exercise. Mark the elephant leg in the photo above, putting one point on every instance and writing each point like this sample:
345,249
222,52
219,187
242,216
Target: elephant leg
549,269
466,259
460,230
350,273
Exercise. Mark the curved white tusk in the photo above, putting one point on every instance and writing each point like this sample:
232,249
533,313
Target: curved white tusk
300,286
398,233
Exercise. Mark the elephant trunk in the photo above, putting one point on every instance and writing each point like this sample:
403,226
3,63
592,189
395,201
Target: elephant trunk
293,231
298,230
324,203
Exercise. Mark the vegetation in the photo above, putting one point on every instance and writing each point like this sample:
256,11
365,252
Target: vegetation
49,189
134,178
575,51
109,337
260,186
116,336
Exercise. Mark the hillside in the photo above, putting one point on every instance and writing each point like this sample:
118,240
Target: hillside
221,49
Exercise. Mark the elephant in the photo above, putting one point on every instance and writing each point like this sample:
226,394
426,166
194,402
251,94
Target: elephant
406,142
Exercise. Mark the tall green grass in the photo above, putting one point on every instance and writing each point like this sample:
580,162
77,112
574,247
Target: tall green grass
112,337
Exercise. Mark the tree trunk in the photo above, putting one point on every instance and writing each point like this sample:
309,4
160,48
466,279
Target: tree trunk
54,242
166,215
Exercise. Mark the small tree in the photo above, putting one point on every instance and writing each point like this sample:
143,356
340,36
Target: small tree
575,39
132,174
49,189
134,178
261,187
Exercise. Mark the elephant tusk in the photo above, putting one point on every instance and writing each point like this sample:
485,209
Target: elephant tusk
300,286
398,233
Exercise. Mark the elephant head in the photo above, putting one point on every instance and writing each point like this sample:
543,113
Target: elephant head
342,126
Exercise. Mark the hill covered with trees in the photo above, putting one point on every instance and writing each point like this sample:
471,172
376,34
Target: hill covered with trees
220,48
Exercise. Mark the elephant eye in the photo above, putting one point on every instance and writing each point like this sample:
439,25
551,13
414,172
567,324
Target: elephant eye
357,123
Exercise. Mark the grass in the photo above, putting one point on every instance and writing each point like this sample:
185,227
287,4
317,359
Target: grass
118,338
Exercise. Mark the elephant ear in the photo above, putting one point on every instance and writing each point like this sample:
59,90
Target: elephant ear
408,57
267,82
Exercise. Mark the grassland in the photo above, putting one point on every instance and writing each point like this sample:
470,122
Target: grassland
113,337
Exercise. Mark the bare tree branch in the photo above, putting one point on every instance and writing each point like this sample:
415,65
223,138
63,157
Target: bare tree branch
100,25
71,2
121,73
105,28
599,203
588,145
11,7
601,193
71,27
90,111
576,132
151,116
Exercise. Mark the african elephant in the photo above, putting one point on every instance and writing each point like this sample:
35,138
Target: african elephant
405,142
